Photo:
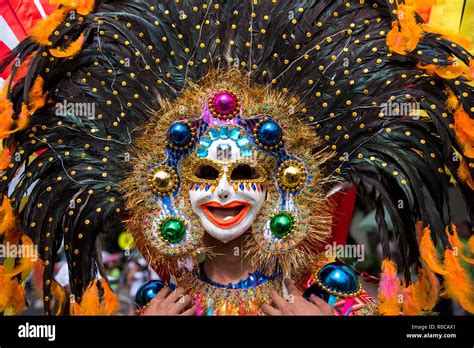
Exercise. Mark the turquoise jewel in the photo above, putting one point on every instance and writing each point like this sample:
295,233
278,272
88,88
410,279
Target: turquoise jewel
224,133
214,133
242,142
205,142
246,152
234,134
202,153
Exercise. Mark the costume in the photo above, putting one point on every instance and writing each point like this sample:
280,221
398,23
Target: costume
229,118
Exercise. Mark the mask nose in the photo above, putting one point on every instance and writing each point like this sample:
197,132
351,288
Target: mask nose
224,189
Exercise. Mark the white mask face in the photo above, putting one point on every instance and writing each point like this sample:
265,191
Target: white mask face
228,206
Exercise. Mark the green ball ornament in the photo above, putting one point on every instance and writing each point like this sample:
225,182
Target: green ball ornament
173,230
281,224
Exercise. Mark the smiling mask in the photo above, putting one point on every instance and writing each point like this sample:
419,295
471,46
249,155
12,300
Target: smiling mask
228,186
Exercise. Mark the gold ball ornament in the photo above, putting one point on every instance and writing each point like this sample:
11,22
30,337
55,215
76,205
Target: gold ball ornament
291,176
163,180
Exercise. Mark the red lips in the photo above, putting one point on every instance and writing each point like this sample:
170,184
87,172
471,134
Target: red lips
225,216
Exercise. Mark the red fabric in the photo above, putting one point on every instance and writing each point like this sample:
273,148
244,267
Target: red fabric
20,15
3,52
343,202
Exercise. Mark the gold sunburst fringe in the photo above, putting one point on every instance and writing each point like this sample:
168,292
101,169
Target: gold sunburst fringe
150,149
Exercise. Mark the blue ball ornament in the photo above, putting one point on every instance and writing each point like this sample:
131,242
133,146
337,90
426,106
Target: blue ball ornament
338,278
270,133
179,134
148,291
316,290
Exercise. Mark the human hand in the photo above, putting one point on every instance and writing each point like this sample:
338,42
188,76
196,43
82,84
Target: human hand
168,302
297,304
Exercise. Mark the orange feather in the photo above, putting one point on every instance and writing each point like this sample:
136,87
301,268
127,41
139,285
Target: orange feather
5,158
429,254
465,175
7,216
457,282
109,304
405,33
43,29
83,7
90,300
27,259
470,244
389,289
36,97
410,305
75,308
6,117
18,299
456,242
464,129
12,293
59,295
71,51
426,289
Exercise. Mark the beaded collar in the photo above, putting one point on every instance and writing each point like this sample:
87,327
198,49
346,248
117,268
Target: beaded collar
254,279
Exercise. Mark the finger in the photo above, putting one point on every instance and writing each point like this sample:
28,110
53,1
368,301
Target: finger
184,302
325,307
176,295
190,312
269,310
318,301
162,294
277,300
291,287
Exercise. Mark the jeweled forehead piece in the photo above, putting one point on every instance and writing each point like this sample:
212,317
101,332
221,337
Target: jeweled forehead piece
224,104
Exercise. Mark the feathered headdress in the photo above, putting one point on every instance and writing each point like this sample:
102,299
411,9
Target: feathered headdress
389,96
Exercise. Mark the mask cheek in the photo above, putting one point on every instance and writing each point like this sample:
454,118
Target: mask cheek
197,198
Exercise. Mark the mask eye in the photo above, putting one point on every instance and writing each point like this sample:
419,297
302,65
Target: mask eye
244,172
206,172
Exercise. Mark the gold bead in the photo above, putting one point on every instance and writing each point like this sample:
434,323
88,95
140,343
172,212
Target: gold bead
163,180
291,175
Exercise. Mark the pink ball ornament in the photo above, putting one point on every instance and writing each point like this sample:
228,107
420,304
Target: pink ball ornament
224,104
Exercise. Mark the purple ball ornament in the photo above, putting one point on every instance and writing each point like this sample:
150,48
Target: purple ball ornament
224,104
